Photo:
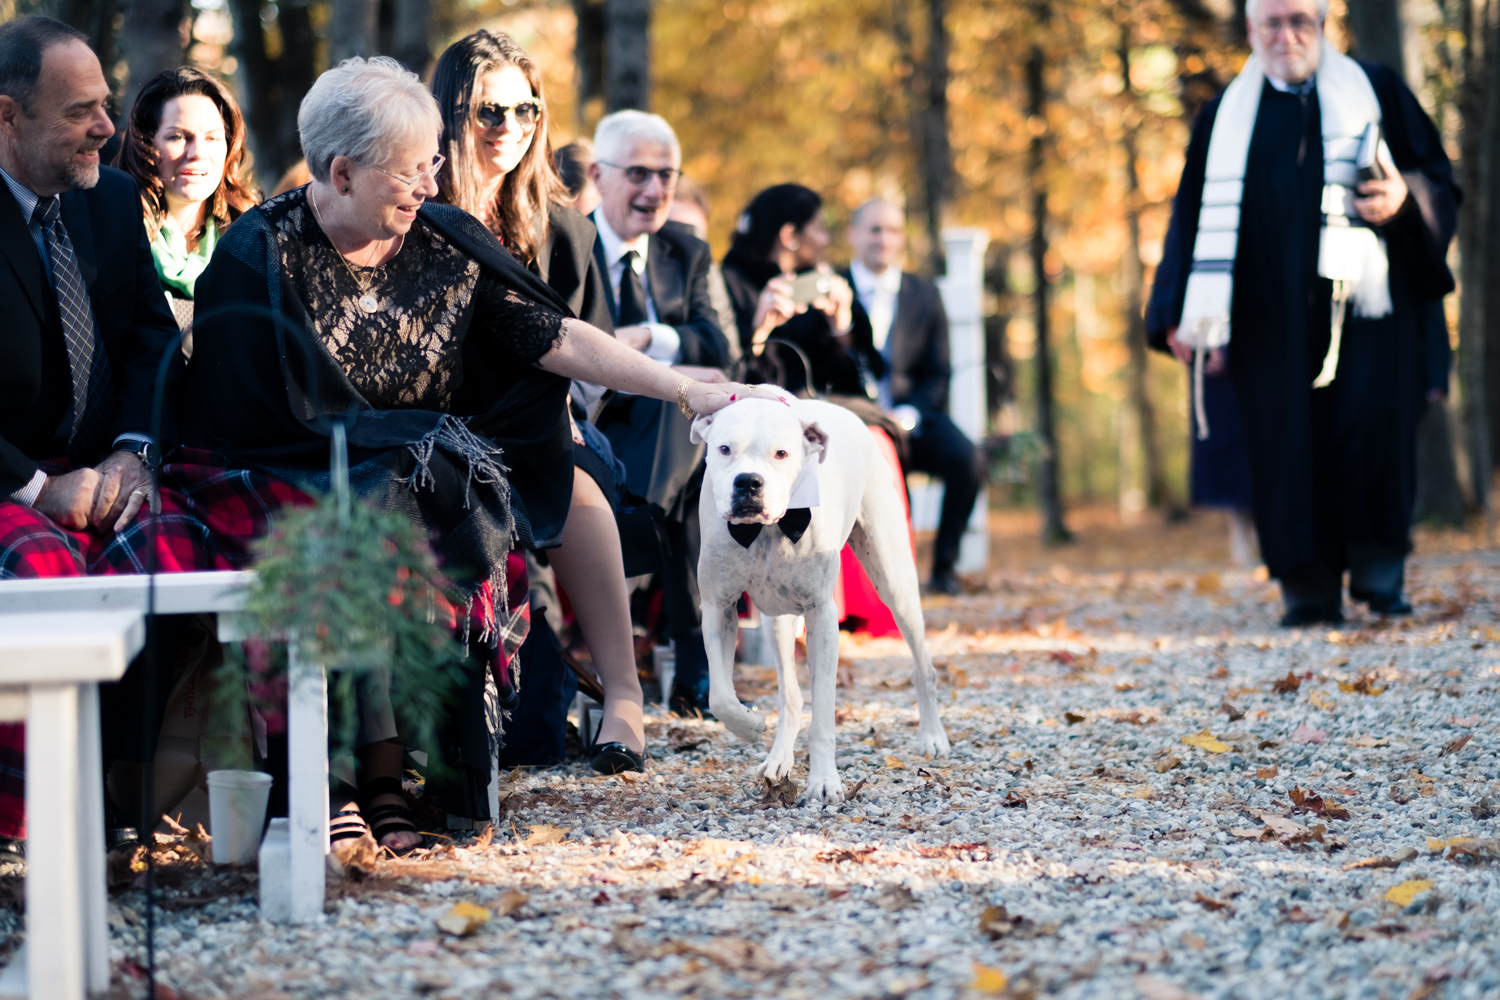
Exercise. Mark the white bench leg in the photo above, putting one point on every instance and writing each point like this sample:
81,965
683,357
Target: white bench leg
307,792
91,860
54,811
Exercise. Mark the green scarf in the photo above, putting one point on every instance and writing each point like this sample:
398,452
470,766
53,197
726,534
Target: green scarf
175,264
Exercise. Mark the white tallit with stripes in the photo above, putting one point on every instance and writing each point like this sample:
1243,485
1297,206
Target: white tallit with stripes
1349,252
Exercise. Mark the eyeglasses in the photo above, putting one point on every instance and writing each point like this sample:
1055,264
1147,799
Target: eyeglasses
1301,25
430,174
527,113
641,176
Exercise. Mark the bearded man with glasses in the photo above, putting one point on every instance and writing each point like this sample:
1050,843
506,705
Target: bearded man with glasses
1311,223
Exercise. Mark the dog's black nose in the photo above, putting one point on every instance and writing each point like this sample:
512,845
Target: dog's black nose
748,482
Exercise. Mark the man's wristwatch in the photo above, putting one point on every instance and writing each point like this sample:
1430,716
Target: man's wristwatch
146,451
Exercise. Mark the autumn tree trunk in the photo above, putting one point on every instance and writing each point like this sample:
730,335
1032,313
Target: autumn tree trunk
410,41
153,41
1049,492
353,29
1480,110
1377,31
936,153
1133,271
270,89
627,54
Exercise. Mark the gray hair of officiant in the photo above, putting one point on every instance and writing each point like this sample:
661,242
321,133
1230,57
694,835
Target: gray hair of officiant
1252,7
367,110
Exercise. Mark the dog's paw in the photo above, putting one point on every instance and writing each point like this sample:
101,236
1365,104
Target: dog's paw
746,723
824,788
933,744
777,765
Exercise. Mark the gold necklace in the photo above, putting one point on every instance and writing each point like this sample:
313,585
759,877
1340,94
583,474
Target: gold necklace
367,300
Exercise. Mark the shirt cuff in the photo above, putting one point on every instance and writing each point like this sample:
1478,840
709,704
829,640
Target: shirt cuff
26,495
132,437
666,344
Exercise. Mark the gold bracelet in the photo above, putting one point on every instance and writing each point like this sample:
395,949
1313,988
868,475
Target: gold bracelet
682,403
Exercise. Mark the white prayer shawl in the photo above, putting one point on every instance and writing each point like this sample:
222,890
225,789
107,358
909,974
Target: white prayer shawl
1349,252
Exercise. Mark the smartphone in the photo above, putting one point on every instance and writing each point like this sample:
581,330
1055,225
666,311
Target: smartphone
1367,160
809,287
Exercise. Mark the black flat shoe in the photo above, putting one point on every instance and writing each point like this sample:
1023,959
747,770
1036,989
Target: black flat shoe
615,758
944,582
1298,617
1388,605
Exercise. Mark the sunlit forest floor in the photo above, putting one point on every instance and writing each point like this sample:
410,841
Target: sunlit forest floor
1153,792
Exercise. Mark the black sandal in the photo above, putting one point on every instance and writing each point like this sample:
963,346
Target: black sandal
390,817
346,824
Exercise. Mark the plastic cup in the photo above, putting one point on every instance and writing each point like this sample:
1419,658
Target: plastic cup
237,813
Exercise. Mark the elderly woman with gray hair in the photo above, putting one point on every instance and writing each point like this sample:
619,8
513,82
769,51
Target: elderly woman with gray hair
355,299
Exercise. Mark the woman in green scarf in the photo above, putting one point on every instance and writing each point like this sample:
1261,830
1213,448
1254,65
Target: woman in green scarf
185,146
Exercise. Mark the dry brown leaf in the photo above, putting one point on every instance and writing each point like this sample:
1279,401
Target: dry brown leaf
1267,772
1454,746
1205,741
545,833
1297,915
858,855
1013,801
1310,802
1379,861
1211,904
894,764
1235,714
1168,763
464,919
779,794
1072,718
1307,734
957,852
509,902
853,792
1321,699
485,838
1367,684
1368,740
1288,684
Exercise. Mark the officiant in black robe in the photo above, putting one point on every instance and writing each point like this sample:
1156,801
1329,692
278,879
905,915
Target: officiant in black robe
1333,472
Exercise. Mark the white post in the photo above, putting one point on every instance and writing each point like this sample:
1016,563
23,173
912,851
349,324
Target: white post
307,792
963,299
55,962
91,861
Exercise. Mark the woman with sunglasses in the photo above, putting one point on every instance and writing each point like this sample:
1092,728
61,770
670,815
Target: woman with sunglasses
500,170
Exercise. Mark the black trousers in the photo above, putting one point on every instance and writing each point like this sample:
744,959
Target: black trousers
1375,572
940,449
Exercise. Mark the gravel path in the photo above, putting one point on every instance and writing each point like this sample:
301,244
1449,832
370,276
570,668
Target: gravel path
1072,845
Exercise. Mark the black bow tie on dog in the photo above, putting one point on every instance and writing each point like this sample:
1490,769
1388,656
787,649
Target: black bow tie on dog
792,524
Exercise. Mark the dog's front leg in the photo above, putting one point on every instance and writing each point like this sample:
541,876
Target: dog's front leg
779,761
823,784
720,626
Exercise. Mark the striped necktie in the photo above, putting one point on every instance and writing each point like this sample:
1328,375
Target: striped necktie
86,359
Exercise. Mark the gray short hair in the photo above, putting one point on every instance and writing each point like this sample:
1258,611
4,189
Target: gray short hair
1251,5
364,109
616,132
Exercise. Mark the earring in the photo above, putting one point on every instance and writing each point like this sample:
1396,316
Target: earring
345,190
794,247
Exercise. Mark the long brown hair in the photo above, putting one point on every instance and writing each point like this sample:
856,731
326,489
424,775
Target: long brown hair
137,155
519,213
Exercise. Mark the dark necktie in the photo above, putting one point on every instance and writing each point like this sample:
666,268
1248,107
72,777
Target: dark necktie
86,361
632,293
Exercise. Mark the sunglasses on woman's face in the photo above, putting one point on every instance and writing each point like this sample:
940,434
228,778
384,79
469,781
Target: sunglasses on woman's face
527,113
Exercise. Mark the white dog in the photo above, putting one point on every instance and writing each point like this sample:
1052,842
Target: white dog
788,482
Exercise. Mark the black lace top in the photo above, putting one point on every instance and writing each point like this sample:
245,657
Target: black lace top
434,304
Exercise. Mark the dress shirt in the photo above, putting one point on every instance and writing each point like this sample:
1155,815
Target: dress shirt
1300,89
877,294
28,200
666,345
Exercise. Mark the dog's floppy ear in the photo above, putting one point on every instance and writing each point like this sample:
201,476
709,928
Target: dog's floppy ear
699,433
816,440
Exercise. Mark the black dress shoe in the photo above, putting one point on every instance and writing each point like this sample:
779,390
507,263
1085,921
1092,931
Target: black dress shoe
1310,615
944,582
689,697
1388,604
615,758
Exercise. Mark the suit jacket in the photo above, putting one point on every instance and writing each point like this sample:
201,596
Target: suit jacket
108,232
567,264
917,345
652,437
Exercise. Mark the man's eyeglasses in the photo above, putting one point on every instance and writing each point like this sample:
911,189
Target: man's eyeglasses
527,113
641,176
429,174
1301,25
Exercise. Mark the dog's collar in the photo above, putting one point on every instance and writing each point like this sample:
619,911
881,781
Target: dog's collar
792,524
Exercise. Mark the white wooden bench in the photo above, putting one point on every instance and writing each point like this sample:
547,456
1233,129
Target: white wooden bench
46,624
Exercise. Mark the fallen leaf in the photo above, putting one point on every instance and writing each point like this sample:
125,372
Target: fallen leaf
1311,802
1367,684
779,794
988,979
1266,744
1380,861
1297,915
957,852
894,764
464,919
1252,832
1207,583
1472,720
1483,809
859,855
1369,741
1134,719
1168,763
1282,826
1437,843
1211,904
1013,801
1306,734
853,792
509,902
545,833
486,836
1267,772
1220,672
1455,746
1288,684
1403,894
1474,847
1073,719
1235,714
1398,796
996,922
1205,741
1322,700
